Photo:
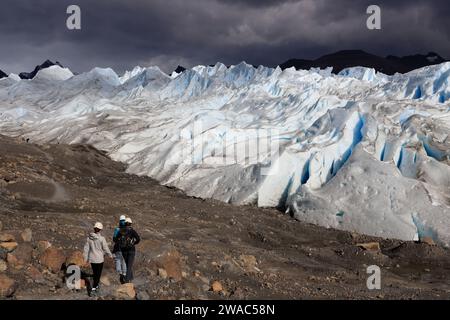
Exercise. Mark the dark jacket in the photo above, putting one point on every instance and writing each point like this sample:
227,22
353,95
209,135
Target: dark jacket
131,233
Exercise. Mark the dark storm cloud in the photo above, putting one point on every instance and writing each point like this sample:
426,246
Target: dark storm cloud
124,33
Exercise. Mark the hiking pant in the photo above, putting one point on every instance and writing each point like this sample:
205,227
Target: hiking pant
129,260
97,269
119,261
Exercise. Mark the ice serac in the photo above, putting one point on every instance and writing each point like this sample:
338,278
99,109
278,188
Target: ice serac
348,151
55,73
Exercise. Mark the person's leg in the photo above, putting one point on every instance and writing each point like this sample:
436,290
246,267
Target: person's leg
97,269
125,259
121,266
124,265
130,261
116,262
100,271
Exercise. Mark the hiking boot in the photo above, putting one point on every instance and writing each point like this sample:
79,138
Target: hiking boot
122,279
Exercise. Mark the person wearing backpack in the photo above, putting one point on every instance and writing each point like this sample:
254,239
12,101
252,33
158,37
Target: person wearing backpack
119,261
94,253
127,239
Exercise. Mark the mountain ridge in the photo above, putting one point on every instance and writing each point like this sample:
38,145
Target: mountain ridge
358,58
30,75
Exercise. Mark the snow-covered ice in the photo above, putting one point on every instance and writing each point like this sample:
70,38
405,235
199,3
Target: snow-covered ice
358,151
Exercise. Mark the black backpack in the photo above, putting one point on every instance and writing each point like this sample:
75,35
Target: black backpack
125,239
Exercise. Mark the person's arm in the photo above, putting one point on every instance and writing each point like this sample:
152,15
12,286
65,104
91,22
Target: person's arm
86,251
106,248
136,237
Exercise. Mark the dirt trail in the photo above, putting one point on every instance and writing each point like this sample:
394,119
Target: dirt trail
59,191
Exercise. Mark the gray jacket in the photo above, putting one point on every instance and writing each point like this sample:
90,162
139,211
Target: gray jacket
96,248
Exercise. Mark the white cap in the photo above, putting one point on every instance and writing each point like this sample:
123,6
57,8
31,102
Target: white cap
98,225
122,217
128,220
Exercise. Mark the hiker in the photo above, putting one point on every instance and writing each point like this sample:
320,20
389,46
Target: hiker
127,239
119,261
94,253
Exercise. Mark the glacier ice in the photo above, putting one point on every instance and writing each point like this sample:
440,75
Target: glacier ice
371,146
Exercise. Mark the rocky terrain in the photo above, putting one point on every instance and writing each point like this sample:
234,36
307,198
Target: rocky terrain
51,195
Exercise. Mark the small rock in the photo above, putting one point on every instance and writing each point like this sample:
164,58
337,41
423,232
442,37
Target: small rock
6,237
27,235
34,274
105,281
248,262
216,286
7,286
428,240
205,280
52,259
9,246
142,295
3,254
162,273
3,266
370,246
43,245
1,226
14,262
126,291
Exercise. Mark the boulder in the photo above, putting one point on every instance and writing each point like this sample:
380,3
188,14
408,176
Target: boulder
76,258
14,262
9,246
125,291
3,266
7,286
6,237
27,235
170,261
43,245
52,259
105,281
370,246
23,253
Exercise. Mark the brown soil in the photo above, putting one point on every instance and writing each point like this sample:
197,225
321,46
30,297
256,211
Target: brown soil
59,191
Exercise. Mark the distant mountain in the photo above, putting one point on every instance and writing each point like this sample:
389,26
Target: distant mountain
2,74
353,58
31,75
418,61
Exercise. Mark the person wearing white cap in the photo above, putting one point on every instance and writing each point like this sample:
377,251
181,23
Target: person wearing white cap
119,261
126,240
94,253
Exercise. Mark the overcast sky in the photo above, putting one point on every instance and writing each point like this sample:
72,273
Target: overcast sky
124,33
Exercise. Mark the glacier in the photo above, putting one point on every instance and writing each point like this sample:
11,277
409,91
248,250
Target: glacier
358,151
